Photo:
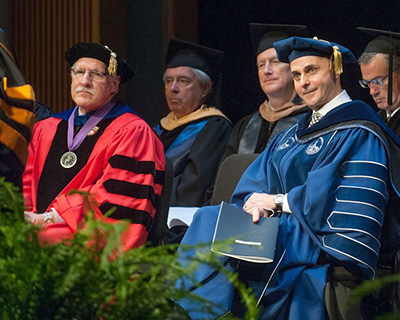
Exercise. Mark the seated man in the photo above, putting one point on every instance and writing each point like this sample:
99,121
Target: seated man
379,64
283,107
194,134
376,76
330,176
98,146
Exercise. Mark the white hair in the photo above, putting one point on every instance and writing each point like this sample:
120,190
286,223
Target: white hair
366,58
201,76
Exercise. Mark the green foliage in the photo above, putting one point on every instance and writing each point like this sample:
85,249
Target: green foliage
88,277
373,286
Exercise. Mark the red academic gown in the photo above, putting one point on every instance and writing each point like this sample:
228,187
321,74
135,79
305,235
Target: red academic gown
122,167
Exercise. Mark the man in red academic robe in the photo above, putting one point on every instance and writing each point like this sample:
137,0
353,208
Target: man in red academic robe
98,146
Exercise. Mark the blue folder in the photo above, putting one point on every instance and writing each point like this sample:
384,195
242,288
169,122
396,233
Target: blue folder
237,236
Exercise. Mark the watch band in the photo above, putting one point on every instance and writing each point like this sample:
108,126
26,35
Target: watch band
278,200
48,218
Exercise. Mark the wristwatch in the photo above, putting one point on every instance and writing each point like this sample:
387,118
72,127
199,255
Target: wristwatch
278,200
48,218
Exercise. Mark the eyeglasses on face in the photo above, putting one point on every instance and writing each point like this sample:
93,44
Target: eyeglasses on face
376,81
93,74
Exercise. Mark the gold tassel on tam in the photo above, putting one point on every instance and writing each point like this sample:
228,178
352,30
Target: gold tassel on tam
112,64
336,58
336,61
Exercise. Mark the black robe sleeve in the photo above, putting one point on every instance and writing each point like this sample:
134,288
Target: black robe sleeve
189,187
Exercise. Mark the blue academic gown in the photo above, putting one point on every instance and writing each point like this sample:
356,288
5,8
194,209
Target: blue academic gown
195,153
337,177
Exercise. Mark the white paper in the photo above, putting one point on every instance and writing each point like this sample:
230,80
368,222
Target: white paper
180,216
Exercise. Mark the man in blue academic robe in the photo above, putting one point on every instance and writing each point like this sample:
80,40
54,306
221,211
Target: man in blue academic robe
331,176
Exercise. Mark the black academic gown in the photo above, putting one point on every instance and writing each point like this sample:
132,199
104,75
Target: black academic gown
195,150
266,132
393,123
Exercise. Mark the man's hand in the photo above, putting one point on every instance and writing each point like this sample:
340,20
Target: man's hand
260,205
34,218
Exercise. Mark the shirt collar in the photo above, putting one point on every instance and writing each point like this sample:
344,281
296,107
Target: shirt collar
340,99
80,119
391,114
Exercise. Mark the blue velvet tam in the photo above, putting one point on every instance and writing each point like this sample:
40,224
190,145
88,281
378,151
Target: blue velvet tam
297,47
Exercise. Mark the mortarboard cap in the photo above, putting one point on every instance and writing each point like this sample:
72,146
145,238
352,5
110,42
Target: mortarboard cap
386,42
383,41
186,54
264,35
297,47
115,64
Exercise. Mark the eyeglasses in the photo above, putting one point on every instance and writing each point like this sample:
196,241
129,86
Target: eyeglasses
376,82
93,74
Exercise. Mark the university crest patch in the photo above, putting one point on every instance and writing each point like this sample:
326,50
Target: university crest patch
315,146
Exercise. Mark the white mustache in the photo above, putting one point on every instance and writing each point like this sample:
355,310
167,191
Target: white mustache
82,89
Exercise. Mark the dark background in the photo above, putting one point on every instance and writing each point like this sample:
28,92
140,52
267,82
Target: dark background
224,25
139,31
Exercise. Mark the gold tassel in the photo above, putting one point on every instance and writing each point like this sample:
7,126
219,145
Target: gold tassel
336,61
112,64
336,58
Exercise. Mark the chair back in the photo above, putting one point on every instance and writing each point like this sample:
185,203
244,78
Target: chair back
229,174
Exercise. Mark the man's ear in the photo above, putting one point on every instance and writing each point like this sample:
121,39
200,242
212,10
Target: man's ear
336,76
206,89
115,83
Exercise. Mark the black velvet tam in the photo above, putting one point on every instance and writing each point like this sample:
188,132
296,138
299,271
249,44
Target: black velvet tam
99,52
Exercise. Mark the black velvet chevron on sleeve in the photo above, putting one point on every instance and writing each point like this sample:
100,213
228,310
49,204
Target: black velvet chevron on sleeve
133,215
140,167
133,190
